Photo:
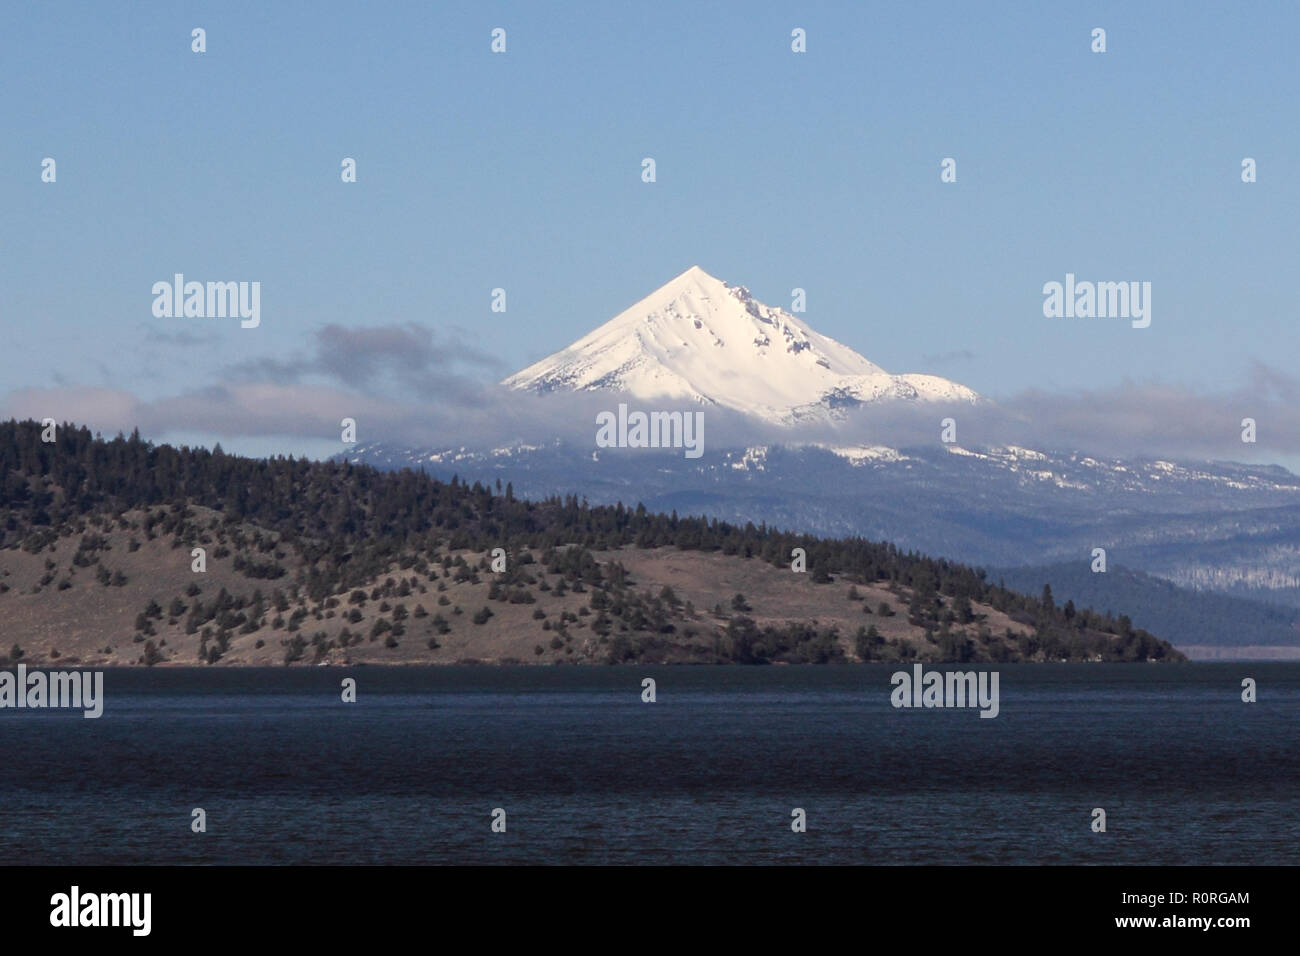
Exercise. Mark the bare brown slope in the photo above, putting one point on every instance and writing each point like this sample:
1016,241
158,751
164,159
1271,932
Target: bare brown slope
55,606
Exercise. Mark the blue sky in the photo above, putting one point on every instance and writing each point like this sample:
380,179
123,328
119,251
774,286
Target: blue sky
522,171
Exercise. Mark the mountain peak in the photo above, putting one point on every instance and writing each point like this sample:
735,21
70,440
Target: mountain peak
700,339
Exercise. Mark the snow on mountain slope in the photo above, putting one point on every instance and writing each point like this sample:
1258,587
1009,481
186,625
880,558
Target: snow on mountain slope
699,339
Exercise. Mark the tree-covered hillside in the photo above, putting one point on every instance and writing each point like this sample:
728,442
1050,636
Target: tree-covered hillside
302,539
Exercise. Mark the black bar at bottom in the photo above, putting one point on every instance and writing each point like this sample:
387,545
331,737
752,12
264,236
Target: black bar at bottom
931,905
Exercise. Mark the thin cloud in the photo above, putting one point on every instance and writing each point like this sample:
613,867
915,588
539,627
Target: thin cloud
408,359
182,339
409,384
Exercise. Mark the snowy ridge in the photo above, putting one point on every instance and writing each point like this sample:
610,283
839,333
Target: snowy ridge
698,339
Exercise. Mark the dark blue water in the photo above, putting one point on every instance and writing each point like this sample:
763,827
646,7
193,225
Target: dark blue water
586,772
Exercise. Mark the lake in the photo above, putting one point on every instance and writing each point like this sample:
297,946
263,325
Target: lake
709,773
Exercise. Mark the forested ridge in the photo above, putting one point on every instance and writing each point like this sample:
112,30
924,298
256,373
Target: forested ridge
348,526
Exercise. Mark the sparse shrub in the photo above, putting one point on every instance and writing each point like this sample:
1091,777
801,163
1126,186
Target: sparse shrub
294,649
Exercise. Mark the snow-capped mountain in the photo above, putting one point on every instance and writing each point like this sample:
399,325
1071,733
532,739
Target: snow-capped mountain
699,339
1218,526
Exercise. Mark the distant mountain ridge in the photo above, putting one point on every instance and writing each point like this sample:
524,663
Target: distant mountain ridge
1196,619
